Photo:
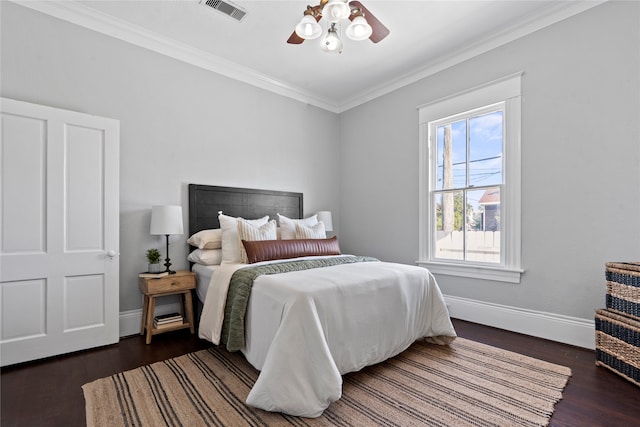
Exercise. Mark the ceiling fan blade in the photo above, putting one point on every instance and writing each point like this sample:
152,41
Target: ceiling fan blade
295,38
379,30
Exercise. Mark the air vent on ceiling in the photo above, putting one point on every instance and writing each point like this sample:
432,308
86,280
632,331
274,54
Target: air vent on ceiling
225,7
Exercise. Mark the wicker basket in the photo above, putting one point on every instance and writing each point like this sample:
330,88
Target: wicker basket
623,288
618,344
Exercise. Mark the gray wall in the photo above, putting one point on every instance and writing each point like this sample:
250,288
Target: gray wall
179,125
580,161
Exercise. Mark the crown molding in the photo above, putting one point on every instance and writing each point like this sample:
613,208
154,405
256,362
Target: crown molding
100,22
95,20
561,11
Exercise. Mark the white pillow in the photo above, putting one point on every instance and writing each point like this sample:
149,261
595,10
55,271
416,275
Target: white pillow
246,231
288,225
230,241
206,256
313,232
207,239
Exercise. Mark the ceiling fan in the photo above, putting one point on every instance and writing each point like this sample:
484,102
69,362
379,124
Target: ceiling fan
363,24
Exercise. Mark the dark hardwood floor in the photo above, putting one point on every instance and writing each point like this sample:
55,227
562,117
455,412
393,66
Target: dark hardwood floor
48,393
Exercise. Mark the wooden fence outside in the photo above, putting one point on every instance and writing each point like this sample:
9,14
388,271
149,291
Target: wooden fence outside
482,246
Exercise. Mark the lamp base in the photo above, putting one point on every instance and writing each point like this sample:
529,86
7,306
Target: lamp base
167,260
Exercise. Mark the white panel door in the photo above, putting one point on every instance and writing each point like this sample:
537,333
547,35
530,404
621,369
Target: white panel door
59,231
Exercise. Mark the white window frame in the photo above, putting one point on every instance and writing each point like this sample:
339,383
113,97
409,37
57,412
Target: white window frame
507,90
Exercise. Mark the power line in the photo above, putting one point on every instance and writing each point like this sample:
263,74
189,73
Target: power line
473,161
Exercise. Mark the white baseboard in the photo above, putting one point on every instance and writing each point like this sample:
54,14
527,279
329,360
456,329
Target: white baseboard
131,320
554,327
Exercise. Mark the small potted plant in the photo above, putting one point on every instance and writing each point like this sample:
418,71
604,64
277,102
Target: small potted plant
153,257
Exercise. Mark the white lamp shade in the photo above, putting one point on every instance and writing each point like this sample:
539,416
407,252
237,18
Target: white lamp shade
335,10
308,28
359,29
325,218
331,43
166,220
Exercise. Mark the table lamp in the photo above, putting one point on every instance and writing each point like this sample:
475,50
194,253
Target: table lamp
166,220
325,217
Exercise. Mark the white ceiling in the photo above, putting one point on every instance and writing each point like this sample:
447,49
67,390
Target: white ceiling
425,36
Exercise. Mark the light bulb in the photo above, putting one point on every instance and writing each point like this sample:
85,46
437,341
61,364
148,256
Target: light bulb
308,29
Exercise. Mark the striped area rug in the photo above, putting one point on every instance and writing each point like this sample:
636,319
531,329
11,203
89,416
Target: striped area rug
465,384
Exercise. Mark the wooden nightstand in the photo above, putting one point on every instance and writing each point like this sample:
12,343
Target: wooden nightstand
182,282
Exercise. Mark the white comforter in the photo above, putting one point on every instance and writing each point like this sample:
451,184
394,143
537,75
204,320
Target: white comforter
306,328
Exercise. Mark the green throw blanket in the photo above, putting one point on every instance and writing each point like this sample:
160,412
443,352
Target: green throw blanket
240,290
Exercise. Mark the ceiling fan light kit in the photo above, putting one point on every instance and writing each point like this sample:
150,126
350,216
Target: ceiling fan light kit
308,28
335,10
331,42
363,24
359,29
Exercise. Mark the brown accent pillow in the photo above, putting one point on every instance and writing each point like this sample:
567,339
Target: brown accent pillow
268,250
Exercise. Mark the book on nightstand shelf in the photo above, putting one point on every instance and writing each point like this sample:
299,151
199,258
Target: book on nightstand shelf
153,275
167,325
167,320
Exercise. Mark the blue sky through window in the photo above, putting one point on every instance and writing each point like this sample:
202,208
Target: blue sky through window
483,144
485,151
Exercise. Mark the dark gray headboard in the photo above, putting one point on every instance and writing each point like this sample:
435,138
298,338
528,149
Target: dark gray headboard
205,201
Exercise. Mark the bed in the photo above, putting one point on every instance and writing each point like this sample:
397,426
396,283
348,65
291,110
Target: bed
303,322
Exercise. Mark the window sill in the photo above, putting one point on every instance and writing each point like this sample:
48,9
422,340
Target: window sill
474,271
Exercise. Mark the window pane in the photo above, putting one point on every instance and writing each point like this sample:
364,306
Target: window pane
485,149
451,155
449,225
483,235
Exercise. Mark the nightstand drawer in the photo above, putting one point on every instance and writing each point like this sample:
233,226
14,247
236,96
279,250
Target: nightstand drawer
175,282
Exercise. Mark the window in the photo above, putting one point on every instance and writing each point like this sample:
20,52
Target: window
465,193
470,183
